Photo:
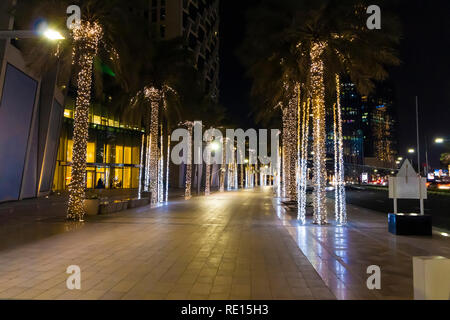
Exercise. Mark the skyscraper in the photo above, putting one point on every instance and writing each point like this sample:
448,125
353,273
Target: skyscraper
197,21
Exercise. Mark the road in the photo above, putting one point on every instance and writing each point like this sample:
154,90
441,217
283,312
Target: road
436,205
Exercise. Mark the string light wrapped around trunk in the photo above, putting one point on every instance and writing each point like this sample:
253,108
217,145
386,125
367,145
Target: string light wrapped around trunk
290,126
340,205
208,168
167,169
319,136
223,166
86,37
303,161
161,169
188,186
154,96
141,165
285,152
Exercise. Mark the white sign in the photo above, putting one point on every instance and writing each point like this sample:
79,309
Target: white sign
407,185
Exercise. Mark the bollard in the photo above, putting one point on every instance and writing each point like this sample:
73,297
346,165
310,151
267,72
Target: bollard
431,278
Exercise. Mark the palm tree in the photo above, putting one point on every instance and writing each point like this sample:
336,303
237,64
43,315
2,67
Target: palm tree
161,74
330,39
97,34
276,68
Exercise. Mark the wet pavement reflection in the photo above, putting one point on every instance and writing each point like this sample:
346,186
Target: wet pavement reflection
342,254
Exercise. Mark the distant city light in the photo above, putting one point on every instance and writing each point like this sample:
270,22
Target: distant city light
439,140
411,150
400,158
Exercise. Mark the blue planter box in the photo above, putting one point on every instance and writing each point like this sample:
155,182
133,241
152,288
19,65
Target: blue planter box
409,224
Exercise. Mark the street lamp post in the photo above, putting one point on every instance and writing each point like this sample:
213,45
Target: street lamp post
417,127
50,34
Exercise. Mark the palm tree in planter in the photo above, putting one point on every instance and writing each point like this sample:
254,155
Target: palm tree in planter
338,43
158,75
277,69
97,33
331,39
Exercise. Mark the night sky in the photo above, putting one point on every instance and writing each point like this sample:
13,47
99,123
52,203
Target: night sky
425,71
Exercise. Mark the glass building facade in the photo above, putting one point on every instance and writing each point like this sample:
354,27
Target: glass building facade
113,152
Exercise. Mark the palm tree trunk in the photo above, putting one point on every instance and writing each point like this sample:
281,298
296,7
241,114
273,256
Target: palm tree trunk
223,167
303,163
166,196
286,154
154,95
161,169
208,180
148,123
188,186
340,205
154,151
318,98
293,144
86,37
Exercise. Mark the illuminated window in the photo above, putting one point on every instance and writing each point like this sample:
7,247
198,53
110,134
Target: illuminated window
69,150
119,154
68,113
135,181
90,157
90,179
127,155
126,178
97,119
136,155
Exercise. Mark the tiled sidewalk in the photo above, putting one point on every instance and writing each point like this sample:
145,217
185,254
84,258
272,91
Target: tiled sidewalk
226,246
341,255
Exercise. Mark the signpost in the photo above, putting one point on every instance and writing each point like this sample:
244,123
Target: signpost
407,185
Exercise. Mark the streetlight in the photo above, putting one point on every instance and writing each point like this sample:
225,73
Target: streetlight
411,150
48,33
53,35
439,140
214,146
400,158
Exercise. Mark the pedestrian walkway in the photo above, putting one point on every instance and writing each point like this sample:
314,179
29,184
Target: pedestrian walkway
232,245
341,255
227,246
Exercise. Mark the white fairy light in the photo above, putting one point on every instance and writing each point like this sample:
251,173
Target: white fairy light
154,95
188,186
285,153
208,169
147,165
86,37
318,107
141,164
167,169
161,169
303,171
340,205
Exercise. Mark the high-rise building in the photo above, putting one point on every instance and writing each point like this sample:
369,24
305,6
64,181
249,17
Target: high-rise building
197,22
351,124
379,126
368,126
